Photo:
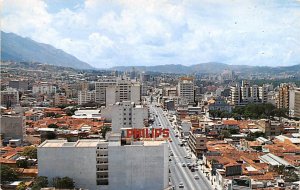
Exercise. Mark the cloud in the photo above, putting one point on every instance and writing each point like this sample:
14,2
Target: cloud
155,32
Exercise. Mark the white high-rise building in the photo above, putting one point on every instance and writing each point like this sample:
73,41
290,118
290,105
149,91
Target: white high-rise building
140,165
186,90
124,90
110,90
85,161
235,95
127,115
43,88
245,94
263,93
86,96
100,88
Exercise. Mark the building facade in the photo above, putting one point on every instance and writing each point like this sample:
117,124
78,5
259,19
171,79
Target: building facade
186,90
127,115
9,97
12,126
85,161
86,96
297,103
43,88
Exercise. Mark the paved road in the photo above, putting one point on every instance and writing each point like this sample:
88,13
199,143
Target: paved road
179,173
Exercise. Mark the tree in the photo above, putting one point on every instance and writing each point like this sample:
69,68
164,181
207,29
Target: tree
50,114
104,130
30,152
288,174
225,134
22,163
21,186
7,173
71,111
52,125
213,113
63,183
40,182
51,135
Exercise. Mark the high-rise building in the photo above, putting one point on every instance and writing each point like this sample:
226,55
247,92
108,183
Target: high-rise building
126,115
86,96
245,94
235,95
21,85
85,161
100,88
263,94
43,88
12,126
60,99
186,90
124,90
283,96
9,97
122,162
297,103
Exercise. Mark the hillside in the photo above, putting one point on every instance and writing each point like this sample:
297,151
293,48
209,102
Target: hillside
16,48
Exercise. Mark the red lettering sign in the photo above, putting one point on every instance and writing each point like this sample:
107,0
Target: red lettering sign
147,133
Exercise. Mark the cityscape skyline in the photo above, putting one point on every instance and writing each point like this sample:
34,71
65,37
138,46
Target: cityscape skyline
150,33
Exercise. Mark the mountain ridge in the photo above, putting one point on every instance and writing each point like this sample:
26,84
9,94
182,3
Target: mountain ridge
17,48
209,67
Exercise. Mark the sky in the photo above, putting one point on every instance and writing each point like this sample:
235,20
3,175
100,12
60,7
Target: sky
107,33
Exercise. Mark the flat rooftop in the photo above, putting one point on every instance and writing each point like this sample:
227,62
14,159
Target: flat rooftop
65,143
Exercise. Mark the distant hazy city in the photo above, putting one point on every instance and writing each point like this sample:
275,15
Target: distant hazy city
150,95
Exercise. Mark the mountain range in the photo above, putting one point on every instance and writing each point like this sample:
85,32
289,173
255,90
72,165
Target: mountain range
210,67
16,48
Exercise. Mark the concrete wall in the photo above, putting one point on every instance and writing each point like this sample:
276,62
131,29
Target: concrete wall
76,163
12,126
136,94
138,167
138,117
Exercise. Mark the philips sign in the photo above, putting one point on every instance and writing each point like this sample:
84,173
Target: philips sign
147,133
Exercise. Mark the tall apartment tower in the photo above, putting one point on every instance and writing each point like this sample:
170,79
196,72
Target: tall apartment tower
124,90
297,103
86,96
186,90
235,95
128,115
9,97
100,88
263,93
283,96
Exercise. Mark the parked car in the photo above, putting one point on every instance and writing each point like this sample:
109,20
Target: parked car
181,185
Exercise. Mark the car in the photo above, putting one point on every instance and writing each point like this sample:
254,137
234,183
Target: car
181,185
196,177
183,165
